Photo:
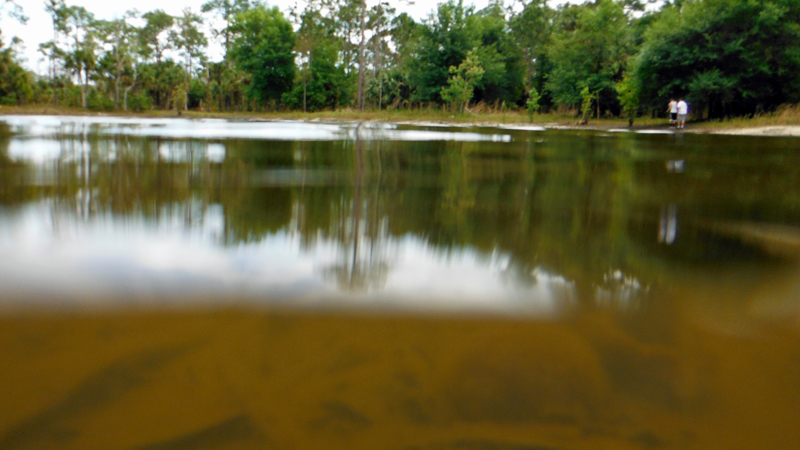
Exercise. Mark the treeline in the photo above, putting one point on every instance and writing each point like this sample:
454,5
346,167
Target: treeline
603,57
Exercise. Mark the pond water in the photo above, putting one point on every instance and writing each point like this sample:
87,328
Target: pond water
194,284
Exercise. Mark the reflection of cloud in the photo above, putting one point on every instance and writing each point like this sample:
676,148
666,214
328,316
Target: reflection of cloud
462,281
40,150
120,260
191,151
55,258
37,151
653,132
40,126
425,135
523,127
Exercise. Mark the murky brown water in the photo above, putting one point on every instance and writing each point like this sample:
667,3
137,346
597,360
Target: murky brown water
198,285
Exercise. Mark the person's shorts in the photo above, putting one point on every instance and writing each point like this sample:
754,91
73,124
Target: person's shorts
681,117
673,116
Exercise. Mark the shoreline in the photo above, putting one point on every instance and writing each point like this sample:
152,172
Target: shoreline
773,130
429,118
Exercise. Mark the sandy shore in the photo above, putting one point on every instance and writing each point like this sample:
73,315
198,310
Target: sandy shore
566,124
786,130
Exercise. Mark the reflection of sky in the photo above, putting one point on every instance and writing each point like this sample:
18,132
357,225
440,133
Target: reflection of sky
36,150
53,258
40,151
39,126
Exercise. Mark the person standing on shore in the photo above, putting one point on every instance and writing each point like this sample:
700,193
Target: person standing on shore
683,110
673,113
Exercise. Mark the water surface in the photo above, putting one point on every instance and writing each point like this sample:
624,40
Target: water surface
209,284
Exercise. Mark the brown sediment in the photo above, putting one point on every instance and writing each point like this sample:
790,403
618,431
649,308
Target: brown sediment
247,379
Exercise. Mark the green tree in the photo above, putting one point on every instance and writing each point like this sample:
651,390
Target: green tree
404,32
13,10
499,55
162,81
81,58
191,42
444,41
16,84
344,24
53,50
726,56
628,91
460,87
119,41
323,81
396,87
223,80
449,35
532,103
189,39
263,48
155,36
531,29
586,104
379,20
226,84
226,11
590,46
155,40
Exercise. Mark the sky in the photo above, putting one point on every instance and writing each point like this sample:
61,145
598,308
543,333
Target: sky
39,27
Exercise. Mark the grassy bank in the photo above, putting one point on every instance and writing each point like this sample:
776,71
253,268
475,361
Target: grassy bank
788,115
785,116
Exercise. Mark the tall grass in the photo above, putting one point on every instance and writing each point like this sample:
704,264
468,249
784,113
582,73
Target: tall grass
788,114
785,115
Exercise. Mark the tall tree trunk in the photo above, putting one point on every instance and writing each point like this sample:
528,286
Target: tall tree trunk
208,89
135,74
188,81
378,56
84,84
55,91
53,60
361,57
116,90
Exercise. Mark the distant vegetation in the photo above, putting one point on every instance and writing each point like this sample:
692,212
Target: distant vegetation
728,58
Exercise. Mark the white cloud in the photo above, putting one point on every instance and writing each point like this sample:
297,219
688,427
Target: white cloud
52,258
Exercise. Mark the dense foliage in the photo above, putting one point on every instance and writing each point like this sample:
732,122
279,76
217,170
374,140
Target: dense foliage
726,56
263,48
604,57
16,84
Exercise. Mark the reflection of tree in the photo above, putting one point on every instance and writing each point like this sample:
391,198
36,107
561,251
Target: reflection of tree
5,138
459,189
256,213
9,194
578,207
95,177
361,265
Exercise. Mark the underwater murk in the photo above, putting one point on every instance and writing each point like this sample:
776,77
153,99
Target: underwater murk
204,284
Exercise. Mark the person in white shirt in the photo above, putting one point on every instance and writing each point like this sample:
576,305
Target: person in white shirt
672,109
683,110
